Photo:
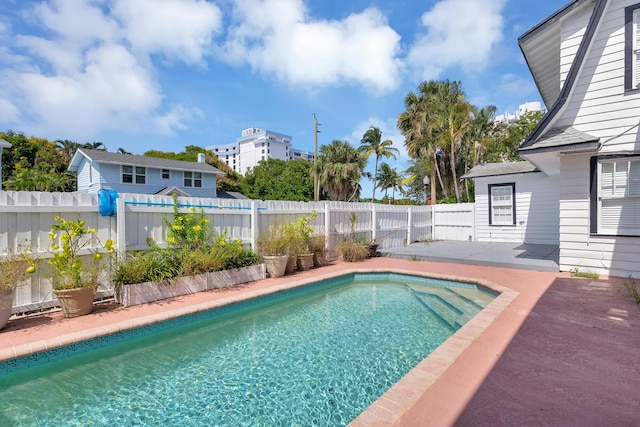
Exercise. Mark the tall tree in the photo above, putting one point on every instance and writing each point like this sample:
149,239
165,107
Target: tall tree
420,128
372,143
67,148
35,164
389,179
96,145
339,168
276,179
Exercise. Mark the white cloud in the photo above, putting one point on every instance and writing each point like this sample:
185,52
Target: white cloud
458,33
175,119
277,37
94,70
179,29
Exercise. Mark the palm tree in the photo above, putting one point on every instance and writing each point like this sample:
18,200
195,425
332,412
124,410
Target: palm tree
67,148
419,129
389,178
372,143
95,146
339,167
455,116
122,151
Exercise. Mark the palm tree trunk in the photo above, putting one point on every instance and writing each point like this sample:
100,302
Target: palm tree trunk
375,174
452,162
444,189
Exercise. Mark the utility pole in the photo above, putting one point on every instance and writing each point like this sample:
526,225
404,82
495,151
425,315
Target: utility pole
316,179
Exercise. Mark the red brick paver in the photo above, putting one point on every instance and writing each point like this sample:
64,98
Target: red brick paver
552,350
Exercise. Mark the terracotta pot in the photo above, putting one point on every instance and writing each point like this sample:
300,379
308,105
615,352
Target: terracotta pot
291,264
373,250
319,258
305,262
276,264
6,302
76,302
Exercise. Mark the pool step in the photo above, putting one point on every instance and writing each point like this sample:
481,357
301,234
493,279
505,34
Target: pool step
453,308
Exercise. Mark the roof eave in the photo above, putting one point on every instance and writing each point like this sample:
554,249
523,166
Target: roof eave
576,66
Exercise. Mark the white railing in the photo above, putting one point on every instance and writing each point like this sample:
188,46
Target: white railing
26,218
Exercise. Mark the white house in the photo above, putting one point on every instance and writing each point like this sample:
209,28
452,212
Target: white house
585,61
129,173
255,145
515,202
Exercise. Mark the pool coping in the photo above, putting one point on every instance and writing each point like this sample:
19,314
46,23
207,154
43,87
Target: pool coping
388,408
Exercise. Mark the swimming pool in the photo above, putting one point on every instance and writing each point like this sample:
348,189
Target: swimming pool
319,355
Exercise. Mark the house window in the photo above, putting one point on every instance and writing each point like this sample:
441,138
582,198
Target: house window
166,174
134,174
193,179
615,195
632,48
502,207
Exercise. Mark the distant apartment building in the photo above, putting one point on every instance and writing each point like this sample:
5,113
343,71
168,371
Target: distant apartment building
509,118
255,145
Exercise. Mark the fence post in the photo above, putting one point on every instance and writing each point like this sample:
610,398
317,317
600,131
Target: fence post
374,222
409,223
327,225
254,226
433,222
121,229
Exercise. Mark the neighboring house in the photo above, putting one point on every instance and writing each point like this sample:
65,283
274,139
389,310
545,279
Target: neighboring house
255,145
585,61
128,173
515,202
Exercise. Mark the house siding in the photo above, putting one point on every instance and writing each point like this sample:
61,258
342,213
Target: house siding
607,255
109,176
537,210
599,104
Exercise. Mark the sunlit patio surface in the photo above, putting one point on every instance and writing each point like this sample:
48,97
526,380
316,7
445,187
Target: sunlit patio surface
551,350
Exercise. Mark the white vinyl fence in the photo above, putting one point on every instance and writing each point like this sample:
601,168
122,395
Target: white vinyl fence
26,218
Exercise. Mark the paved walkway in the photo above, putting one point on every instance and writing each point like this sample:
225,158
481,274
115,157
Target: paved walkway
507,255
562,352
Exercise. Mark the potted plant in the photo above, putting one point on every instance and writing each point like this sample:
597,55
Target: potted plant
353,251
14,268
291,237
274,250
302,241
317,246
74,276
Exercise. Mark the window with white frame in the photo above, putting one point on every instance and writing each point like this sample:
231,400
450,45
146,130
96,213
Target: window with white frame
165,174
134,174
193,179
502,207
617,196
632,48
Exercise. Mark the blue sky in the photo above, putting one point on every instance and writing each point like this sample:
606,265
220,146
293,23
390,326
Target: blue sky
163,74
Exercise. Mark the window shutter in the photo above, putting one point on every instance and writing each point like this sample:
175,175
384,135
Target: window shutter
636,48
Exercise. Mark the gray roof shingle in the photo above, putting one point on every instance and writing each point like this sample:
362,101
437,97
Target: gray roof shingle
558,137
137,160
497,169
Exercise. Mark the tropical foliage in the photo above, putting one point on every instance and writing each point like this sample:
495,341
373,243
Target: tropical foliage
339,167
372,143
446,136
276,179
193,248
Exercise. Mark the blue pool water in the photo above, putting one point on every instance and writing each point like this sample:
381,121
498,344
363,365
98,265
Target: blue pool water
317,356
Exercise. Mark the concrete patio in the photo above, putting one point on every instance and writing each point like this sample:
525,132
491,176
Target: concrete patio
507,255
563,352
